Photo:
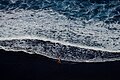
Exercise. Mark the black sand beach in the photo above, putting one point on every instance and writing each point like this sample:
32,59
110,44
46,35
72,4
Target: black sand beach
23,66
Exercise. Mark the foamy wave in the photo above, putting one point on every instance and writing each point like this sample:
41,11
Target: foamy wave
52,25
49,33
55,50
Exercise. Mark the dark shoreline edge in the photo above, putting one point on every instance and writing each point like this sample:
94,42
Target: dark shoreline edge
53,50
21,55
20,65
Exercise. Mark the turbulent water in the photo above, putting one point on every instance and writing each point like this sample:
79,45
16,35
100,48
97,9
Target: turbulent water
74,30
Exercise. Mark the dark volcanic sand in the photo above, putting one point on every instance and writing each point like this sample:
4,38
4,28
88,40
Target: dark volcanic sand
23,66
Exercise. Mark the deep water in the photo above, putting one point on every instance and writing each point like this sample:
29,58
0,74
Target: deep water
103,10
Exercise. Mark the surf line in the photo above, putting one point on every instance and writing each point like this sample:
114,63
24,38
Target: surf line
55,41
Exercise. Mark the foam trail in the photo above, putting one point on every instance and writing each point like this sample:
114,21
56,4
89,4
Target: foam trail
55,41
53,50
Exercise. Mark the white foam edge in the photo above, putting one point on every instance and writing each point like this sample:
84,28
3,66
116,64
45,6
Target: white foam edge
60,42
87,61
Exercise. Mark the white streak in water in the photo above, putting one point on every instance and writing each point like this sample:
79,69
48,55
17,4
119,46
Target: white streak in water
55,41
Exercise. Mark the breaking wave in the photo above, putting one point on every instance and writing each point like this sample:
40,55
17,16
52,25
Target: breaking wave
74,30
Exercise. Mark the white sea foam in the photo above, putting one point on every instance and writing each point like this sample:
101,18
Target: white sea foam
13,1
55,41
48,25
52,50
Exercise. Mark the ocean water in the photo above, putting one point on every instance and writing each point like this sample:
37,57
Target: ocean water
72,30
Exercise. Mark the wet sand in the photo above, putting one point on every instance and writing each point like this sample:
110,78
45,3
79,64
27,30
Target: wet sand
22,66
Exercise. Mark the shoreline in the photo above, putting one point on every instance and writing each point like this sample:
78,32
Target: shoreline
34,66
